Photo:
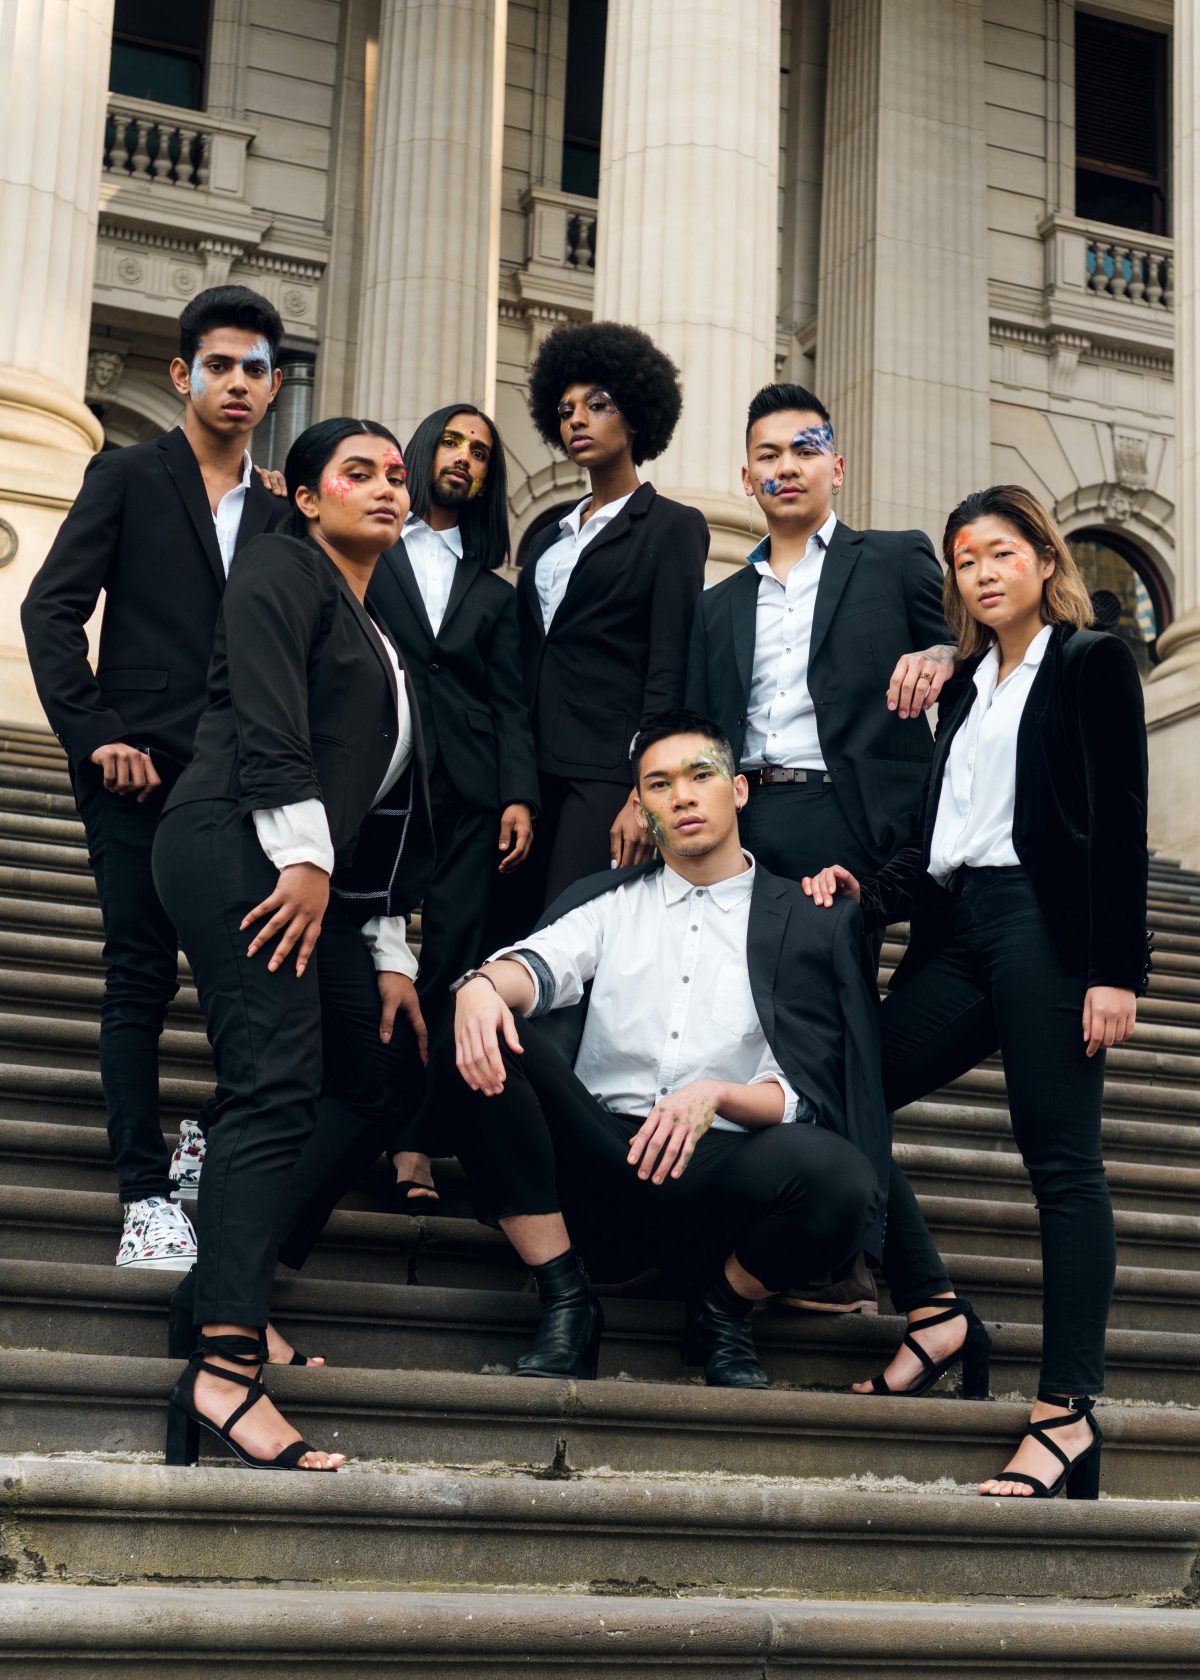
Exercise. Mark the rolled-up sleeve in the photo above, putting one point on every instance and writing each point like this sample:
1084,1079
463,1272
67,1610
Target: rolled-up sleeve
769,1069
561,958
296,833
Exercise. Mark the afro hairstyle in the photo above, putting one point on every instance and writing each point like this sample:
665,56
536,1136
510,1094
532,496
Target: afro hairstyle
642,379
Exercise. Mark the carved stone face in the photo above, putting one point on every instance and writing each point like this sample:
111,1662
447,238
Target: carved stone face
103,373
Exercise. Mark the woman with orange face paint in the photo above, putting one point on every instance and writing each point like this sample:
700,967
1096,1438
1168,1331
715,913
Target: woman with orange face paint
1027,890
304,815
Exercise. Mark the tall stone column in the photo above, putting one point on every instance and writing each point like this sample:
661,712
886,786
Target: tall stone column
902,328
688,224
53,86
1173,692
427,274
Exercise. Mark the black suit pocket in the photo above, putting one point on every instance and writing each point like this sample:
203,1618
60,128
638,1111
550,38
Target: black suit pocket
113,681
598,736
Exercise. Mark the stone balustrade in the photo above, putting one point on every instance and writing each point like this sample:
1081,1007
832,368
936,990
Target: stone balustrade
1109,283
561,228
151,145
1134,270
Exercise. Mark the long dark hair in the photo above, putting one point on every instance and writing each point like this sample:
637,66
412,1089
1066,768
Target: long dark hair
311,454
482,522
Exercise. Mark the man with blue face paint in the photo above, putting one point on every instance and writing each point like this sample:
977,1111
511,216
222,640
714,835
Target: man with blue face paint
804,658
155,528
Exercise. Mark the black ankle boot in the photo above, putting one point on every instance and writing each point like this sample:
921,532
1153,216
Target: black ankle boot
567,1343
718,1336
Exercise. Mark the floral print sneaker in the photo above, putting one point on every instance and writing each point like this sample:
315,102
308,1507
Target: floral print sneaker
187,1162
158,1236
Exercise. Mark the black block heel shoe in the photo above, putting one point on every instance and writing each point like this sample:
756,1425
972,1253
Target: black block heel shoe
717,1335
974,1355
184,1421
567,1343
1080,1476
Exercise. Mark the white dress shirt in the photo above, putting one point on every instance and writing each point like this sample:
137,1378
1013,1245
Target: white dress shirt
553,571
671,999
974,818
299,833
434,555
781,718
228,515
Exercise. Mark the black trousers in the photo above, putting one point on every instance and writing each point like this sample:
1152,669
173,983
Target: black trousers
306,1089
454,928
141,961
998,983
570,841
792,1201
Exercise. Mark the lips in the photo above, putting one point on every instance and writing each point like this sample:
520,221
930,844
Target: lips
689,825
990,599
458,477
236,411
580,442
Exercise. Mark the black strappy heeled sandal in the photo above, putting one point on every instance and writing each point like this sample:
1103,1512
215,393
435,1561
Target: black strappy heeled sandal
403,1201
974,1355
181,1329
1080,1476
184,1421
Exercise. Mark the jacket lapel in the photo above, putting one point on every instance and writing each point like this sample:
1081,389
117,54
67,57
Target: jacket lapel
465,573
257,509
396,559
184,469
638,505
765,930
372,631
950,722
743,622
840,560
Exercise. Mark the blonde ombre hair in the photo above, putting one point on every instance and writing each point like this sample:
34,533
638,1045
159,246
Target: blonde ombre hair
1065,599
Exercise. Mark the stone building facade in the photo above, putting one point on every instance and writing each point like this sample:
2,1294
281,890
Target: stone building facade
969,224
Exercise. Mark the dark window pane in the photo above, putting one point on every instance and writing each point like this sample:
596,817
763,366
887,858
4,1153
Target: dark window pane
581,169
1122,601
1125,204
175,23
142,73
1121,111
586,24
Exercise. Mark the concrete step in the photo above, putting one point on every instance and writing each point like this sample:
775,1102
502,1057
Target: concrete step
136,1524
54,1403
1136,1185
27,825
75,1095
52,1632
63,1043
1148,1095
78,997
43,854
971,1225
98,1309
942,1120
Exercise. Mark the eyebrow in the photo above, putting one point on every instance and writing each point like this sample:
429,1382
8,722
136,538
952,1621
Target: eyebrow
362,461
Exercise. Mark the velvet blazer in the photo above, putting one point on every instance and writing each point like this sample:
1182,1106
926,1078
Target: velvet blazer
1079,822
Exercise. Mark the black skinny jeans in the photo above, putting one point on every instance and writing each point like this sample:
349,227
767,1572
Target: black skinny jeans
998,983
306,1089
792,1201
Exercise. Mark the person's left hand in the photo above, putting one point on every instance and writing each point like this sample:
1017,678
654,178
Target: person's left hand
628,842
672,1129
398,996
1109,1017
516,836
274,481
918,680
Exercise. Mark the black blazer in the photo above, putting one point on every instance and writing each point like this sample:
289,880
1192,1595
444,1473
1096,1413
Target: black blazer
141,530
815,993
880,596
1079,824
467,678
617,648
302,705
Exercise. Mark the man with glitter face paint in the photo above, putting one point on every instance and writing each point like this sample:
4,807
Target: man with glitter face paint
155,528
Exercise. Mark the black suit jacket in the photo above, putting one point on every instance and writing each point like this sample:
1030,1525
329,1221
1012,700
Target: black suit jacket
616,652
1079,822
815,993
302,705
880,596
467,678
141,530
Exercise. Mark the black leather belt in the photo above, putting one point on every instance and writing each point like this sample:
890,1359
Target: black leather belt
779,775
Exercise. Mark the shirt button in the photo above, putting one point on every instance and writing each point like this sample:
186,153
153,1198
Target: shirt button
664,1090
699,892
674,1035
695,927
434,666
685,979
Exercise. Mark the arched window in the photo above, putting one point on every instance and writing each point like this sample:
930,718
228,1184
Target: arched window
1129,599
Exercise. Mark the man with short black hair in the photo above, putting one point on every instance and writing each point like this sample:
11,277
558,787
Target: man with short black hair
155,528
721,1113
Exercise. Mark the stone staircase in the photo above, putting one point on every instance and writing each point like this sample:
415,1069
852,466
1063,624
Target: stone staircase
639,1525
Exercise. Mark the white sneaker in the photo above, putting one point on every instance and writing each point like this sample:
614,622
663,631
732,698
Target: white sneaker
158,1236
187,1162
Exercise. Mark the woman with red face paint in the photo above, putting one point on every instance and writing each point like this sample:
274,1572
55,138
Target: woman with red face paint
303,815
1027,889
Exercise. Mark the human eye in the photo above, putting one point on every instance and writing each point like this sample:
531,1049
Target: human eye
255,369
564,411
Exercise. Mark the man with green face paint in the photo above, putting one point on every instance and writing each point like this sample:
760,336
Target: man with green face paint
719,1112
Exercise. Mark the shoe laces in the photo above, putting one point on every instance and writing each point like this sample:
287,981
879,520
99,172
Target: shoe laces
165,1220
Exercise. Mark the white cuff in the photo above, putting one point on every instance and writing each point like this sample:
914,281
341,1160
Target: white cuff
790,1100
296,833
387,941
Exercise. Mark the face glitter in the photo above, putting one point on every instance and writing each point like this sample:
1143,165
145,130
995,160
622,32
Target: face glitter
338,486
658,829
815,440
771,486
718,759
196,380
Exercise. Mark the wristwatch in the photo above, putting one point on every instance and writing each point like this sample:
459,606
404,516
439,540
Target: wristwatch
471,974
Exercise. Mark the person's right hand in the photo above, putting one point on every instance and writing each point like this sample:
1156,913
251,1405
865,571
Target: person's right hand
126,770
480,1016
296,909
831,883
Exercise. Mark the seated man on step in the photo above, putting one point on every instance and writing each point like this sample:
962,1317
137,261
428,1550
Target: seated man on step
722,1114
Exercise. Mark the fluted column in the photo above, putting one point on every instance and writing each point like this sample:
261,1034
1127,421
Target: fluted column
426,288
53,85
1173,692
688,224
902,330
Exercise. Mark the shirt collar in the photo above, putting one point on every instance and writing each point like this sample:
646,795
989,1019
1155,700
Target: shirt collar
987,672
570,523
760,556
452,537
247,470
733,890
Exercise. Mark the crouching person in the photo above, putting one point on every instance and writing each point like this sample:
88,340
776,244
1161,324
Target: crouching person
721,1113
